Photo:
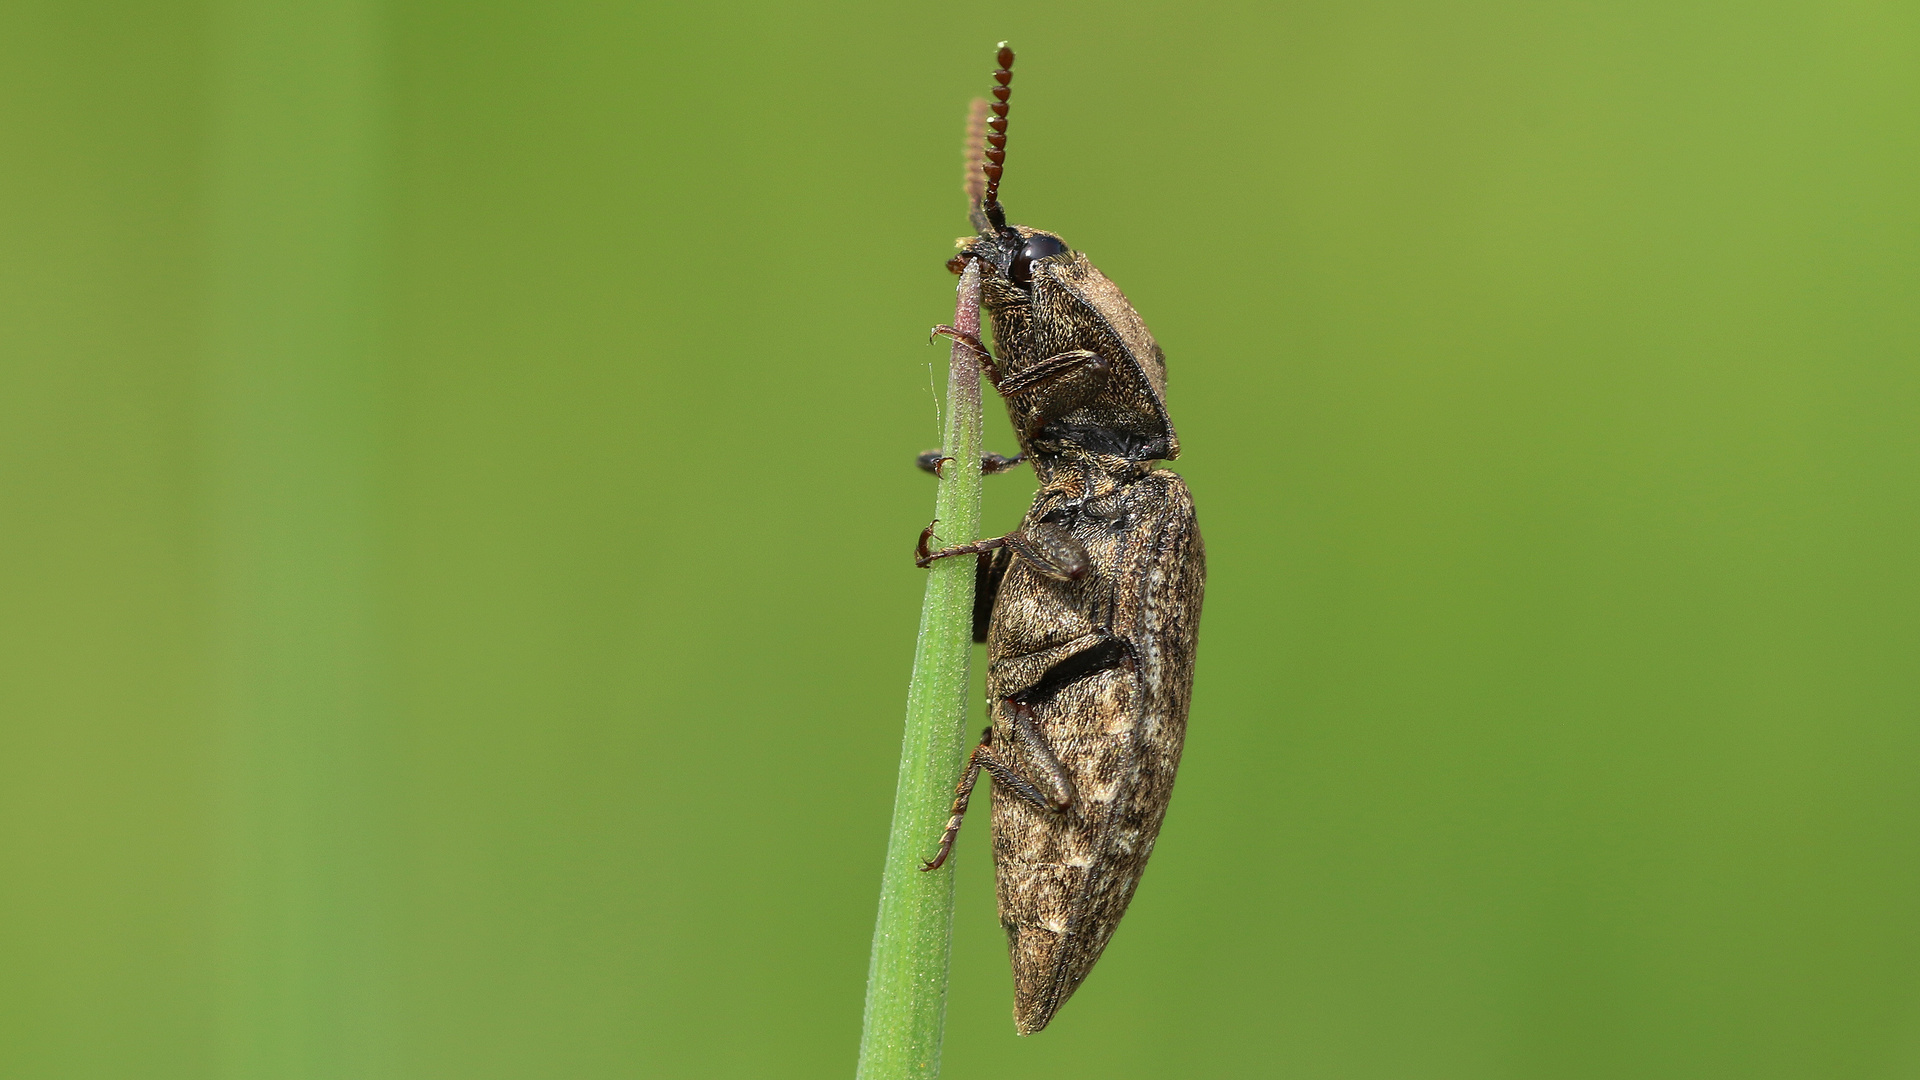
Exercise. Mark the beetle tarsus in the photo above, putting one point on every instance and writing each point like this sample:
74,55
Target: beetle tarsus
923,558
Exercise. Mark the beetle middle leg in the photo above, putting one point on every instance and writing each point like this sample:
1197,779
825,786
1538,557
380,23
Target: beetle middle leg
1049,549
986,578
989,572
990,463
1054,792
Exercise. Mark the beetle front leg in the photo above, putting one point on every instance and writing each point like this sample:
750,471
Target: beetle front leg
966,340
1052,388
1080,363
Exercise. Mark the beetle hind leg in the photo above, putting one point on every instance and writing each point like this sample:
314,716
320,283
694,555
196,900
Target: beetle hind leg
1057,783
986,757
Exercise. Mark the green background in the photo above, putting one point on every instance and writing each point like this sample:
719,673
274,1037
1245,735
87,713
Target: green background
457,491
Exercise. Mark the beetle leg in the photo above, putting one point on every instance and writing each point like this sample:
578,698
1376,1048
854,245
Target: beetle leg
1050,369
990,463
966,341
1052,388
962,793
988,573
1051,550
957,334
986,757
924,557
1060,797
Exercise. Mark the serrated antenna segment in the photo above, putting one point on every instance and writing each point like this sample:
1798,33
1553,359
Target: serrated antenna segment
996,152
976,179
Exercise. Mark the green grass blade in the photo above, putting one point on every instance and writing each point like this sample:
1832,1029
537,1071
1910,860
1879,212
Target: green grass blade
907,977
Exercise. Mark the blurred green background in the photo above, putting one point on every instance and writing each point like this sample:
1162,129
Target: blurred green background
456,463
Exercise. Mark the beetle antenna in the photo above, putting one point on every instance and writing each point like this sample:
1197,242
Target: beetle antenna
976,177
996,150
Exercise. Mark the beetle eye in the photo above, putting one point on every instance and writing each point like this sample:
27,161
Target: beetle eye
1038,247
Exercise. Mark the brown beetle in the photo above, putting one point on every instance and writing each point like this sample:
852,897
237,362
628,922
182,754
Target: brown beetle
1090,610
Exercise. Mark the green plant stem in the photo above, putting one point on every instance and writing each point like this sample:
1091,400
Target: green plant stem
907,977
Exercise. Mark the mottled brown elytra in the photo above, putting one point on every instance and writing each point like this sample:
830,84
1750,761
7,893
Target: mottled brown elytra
1090,610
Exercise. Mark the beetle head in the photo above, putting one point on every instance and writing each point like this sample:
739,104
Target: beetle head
1007,253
